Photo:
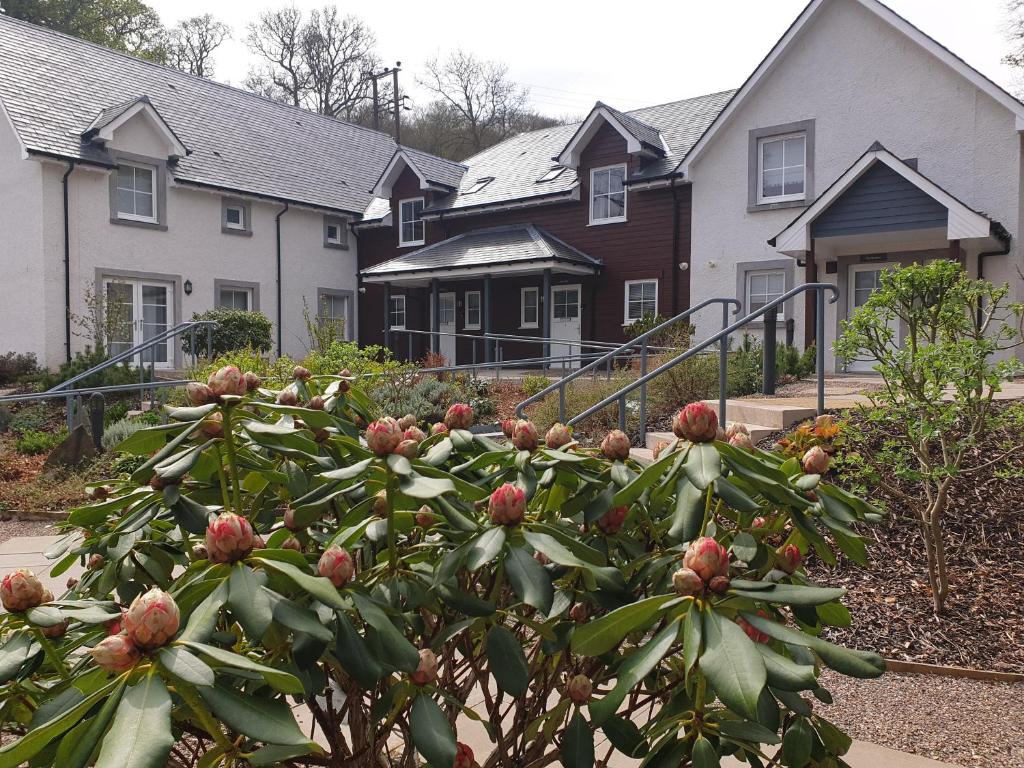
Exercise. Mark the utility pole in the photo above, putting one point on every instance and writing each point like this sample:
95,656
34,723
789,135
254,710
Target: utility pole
398,100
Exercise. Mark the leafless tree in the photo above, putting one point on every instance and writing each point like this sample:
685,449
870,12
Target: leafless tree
191,43
277,38
1014,28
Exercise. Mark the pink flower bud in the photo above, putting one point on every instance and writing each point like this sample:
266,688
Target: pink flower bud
464,757
696,422
615,445
557,436
408,448
316,403
661,446
301,374
579,613
100,492
736,428
407,421
20,590
438,428
213,425
252,381
507,505
289,520
719,585
336,564
459,416
199,394
56,631
508,426
426,671
425,517
199,552
288,396
414,433
383,436
380,503
687,583
524,435
611,521
152,620
95,562
707,558
759,522
116,626
752,632
72,582
47,595
292,543
229,538
116,653
789,558
227,381
579,689
741,441
815,461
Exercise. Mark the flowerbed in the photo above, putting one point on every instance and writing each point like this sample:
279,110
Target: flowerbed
275,548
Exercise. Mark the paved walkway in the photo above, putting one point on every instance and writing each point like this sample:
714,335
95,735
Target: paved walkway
27,552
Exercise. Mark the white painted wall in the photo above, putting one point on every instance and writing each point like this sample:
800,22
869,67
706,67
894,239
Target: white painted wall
861,81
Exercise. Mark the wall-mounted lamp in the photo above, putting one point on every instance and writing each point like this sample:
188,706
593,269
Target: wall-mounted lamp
188,287
683,266
362,289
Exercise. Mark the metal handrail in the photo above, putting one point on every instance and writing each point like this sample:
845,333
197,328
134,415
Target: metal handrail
722,336
617,352
516,338
49,394
138,349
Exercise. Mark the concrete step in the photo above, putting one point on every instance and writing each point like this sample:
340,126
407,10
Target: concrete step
774,414
757,433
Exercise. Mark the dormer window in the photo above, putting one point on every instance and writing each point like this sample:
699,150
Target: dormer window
608,194
135,193
410,215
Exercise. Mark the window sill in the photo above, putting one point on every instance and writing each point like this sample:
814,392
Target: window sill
778,206
603,222
471,327
412,245
529,327
337,246
238,232
143,224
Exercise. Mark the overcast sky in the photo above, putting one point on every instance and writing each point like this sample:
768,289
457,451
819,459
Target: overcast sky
629,54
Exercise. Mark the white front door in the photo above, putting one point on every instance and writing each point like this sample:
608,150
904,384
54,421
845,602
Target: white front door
446,325
565,322
865,279
136,311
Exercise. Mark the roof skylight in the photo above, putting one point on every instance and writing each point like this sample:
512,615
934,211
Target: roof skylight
552,173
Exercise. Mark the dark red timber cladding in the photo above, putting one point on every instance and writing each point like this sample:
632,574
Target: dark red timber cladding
640,248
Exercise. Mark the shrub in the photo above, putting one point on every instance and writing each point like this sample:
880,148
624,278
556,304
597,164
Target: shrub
580,588
114,434
746,367
5,418
428,397
236,329
32,442
360,361
122,373
245,359
531,384
30,418
16,367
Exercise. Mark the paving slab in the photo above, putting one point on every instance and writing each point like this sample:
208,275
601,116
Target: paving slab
27,552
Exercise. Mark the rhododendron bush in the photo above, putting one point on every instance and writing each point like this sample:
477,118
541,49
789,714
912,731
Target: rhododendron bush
284,558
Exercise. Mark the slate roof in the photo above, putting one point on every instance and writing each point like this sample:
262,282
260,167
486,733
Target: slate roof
644,133
447,173
54,87
517,163
510,244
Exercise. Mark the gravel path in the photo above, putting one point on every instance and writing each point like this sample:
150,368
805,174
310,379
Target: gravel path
965,722
12,527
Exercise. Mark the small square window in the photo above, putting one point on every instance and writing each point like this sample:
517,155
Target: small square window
765,286
473,310
529,308
335,232
332,234
641,300
234,298
234,217
134,188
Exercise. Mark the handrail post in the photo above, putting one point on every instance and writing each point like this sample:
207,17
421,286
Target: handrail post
723,367
643,394
209,342
192,345
498,354
622,413
768,371
561,404
819,340
409,336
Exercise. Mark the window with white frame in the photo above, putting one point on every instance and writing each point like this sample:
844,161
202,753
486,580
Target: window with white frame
136,192
410,214
764,286
396,312
529,308
781,168
641,299
235,298
473,310
335,232
334,309
608,194
234,217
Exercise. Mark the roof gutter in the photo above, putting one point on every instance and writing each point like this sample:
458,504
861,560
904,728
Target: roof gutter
280,312
67,263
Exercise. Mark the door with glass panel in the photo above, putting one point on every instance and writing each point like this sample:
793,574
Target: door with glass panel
135,312
446,325
565,323
864,280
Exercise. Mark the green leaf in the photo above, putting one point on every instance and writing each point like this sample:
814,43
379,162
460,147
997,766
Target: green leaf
262,719
604,633
632,490
529,579
734,497
15,653
485,548
693,628
354,656
792,594
634,669
419,487
400,652
625,736
744,546
463,602
347,473
431,734
317,586
203,619
689,511
748,730
797,743
44,616
140,735
785,674
276,678
80,749
606,577
276,754
248,601
703,465
182,664
704,755
732,665
297,617
578,743
507,661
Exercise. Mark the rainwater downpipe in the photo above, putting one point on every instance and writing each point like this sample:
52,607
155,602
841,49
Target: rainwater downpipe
67,263
280,311
675,247
984,255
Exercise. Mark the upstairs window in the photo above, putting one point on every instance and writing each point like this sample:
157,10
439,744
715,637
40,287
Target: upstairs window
608,194
641,300
782,168
335,232
234,217
764,286
136,193
410,230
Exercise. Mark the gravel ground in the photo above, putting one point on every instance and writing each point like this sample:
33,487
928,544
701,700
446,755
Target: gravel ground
965,722
12,527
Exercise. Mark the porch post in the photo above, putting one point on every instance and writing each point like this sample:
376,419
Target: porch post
487,318
387,315
546,308
435,317
810,305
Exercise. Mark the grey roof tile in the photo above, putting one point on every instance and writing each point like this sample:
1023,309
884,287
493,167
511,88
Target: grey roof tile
438,170
55,86
484,247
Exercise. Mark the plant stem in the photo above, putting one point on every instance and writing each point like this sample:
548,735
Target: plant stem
229,442
204,716
392,531
51,653
226,500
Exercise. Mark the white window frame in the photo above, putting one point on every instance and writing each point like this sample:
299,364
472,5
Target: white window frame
401,222
240,226
522,307
471,326
593,195
626,319
154,175
236,289
781,309
761,142
336,240
396,301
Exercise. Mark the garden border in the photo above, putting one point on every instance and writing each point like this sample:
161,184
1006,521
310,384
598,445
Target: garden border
939,670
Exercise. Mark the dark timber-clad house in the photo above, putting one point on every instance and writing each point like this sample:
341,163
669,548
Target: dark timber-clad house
572,232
